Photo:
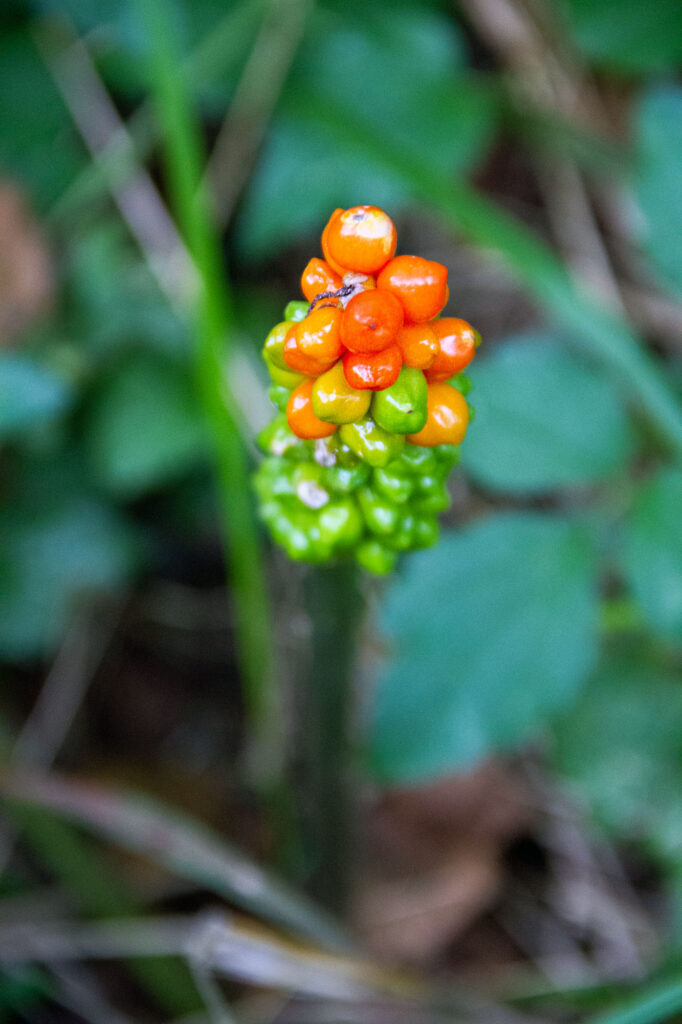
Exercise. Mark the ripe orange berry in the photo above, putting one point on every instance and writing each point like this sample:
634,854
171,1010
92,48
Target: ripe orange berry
319,277
301,417
325,247
418,345
421,286
457,347
371,321
362,238
447,417
374,370
313,345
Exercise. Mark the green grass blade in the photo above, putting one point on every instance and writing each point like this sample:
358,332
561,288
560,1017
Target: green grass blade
184,163
655,1007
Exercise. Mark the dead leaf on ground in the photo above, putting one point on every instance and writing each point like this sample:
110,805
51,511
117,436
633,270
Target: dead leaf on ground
432,862
26,272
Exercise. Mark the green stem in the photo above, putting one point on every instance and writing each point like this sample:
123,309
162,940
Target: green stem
335,606
184,162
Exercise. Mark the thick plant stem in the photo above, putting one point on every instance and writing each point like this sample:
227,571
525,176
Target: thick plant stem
335,606
184,162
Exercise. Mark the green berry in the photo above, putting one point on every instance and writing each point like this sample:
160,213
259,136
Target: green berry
401,409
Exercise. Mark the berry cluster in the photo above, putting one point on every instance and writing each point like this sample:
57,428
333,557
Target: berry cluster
369,384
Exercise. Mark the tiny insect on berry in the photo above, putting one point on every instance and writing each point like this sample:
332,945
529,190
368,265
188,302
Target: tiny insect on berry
421,286
362,238
371,321
373,370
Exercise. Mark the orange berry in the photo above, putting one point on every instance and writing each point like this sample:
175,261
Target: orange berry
362,238
421,286
371,321
313,345
301,417
319,277
325,247
447,417
373,370
457,347
418,345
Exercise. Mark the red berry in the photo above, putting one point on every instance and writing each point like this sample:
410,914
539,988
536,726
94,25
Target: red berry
371,321
421,286
457,347
373,370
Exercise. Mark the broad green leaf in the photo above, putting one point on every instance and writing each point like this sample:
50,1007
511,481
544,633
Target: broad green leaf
38,143
544,419
627,36
144,426
365,55
23,989
116,298
657,180
54,553
30,393
300,180
653,552
487,634
218,35
621,743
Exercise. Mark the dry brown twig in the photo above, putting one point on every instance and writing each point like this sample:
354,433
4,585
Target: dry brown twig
256,96
546,72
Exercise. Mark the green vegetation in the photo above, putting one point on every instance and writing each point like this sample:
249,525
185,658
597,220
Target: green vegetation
166,169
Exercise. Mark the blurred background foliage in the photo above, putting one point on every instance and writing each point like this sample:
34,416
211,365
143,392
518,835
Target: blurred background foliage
533,146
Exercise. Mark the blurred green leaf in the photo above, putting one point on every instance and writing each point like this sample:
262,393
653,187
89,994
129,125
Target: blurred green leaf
22,989
315,178
114,297
38,144
368,56
621,745
54,552
30,393
144,426
657,181
210,27
626,35
653,552
488,634
544,419
652,1006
